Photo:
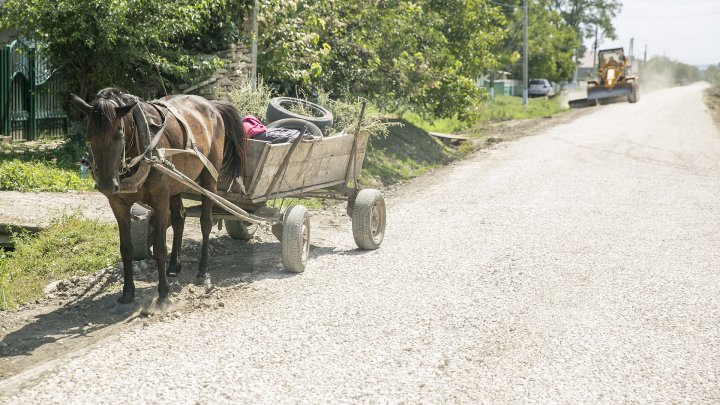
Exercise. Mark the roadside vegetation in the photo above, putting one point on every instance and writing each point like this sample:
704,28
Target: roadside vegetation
503,108
42,166
712,100
70,246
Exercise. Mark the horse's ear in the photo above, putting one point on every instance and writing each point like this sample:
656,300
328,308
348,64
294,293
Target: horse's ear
84,107
121,111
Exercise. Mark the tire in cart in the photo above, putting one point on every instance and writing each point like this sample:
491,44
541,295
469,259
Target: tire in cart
295,240
240,230
368,219
141,229
281,107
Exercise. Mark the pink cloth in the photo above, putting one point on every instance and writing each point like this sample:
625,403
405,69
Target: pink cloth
252,126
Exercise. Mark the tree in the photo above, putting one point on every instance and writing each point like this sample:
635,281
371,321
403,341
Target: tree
712,74
551,43
141,46
424,54
584,16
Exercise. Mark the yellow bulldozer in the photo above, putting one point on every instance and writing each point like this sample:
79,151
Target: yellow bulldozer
614,80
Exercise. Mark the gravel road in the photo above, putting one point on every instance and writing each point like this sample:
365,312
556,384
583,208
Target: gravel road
578,265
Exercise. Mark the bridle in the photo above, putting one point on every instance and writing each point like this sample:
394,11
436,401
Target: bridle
126,164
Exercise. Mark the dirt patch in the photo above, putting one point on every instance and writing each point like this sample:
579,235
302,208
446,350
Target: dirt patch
511,130
76,313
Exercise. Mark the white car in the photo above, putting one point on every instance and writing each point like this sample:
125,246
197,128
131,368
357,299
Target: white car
541,88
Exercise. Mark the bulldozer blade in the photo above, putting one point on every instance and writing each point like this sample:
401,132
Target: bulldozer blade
596,93
579,103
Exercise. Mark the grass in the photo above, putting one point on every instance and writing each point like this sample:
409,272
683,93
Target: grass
70,246
408,151
42,166
503,108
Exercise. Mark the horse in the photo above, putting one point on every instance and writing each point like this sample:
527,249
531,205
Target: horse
204,135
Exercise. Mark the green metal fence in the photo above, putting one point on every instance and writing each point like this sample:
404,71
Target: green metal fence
29,95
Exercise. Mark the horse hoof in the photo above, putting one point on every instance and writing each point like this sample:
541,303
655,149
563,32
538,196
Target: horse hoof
163,305
123,309
173,271
203,281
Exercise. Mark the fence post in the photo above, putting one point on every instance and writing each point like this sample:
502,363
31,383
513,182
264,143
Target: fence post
5,90
32,108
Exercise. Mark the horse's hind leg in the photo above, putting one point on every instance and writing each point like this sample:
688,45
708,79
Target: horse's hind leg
177,220
206,224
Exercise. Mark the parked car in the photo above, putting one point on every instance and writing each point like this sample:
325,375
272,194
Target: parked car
541,88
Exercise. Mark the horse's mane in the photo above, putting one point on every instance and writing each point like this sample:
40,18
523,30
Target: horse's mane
103,115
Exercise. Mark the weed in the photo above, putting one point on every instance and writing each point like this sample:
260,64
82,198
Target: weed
42,166
503,108
70,246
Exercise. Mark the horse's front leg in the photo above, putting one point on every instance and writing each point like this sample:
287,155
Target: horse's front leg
177,220
206,223
121,210
161,207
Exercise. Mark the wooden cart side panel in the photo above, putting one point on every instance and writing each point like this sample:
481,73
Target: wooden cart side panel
312,163
254,164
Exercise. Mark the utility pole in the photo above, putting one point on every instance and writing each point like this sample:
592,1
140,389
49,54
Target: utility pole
525,53
645,55
253,45
595,47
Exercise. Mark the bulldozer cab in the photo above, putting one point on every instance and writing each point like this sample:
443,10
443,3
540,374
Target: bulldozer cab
610,57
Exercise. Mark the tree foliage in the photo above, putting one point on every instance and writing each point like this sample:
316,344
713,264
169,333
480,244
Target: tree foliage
128,43
584,16
551,42
712,74
424,54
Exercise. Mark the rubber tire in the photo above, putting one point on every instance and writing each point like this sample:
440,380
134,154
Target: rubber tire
141,231
297,123
296,239
633,97
240,230
368,219
322,117
592,102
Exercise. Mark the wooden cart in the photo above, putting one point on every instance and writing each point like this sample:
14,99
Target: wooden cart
326,167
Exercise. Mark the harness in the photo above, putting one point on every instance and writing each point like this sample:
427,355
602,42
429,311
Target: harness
148,152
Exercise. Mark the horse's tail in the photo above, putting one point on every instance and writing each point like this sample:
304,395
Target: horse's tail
235,144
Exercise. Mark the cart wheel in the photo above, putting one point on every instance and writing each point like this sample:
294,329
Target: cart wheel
141,230
295,238
368,219
240,230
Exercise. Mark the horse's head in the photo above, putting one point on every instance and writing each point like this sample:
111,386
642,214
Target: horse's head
106,134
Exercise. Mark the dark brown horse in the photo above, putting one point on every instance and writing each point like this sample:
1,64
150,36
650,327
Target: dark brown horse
117,130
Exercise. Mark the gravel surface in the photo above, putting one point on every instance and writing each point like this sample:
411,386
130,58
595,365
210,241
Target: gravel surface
579,265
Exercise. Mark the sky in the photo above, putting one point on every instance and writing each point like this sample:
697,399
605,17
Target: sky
687,31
